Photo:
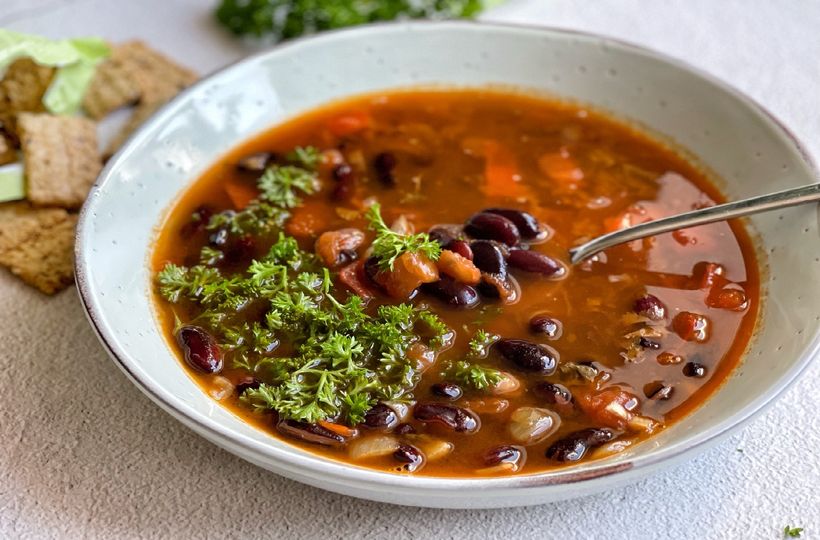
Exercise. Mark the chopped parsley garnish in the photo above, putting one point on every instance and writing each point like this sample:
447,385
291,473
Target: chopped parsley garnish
480,344
390,245
473,375
280,185
792,532
342,360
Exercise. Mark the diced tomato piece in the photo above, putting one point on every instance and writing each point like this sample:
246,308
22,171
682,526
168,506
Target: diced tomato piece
459,268
691,326
409,271
501,175
726,298
307,220
240,194
351,277
612,407
349,123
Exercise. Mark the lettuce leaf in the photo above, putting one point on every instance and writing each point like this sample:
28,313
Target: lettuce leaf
12,186
75,60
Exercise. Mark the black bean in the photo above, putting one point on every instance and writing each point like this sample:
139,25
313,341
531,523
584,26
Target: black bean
385,163
371,268
553,394
455,418
345,184
241,249
538,263
527,225
658,390
257,162
343,172
410,456
504,454
546,325
489,258
651,307
528,356
405,429
462,248
380,416
453,292
218,238
200,349
575,445
492,227
246,383
693,369
312,433
446,390
647,343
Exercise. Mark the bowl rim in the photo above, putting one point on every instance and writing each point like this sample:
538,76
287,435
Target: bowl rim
320,468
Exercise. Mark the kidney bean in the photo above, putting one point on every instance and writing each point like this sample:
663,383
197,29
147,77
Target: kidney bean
405,429
345,182
537,263
371,269
492,227
647,343
554,394
504,454
218,238
694,369
410,456
385,164
489,258
462,248
543,324
455,418
240,249
342,172
200,349
380,416
528,356
257,162
446,390
312,433
651,307
443,235
575,445
527,225
658,390
453,292
246,383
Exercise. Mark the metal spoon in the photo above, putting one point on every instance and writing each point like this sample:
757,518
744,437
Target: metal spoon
721,212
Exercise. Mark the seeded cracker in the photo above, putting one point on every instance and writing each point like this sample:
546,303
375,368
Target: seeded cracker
37,244
60,158
134,73
21,90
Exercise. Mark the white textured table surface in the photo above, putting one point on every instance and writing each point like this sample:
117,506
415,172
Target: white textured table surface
84,454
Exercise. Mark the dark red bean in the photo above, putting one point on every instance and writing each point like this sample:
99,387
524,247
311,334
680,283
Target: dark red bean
371,268
462,248
694,369
380,416
410,456
343,172
493,286
489,258
658,390
453,292
442,235
546,325
492,227
345,185
246,383
312,433
446,390
651,307
241,249
574,446
538,263
554,394
405,429
200,349
527,225
257,162
384,164
504,454
647,343
218,238
528,356
455,418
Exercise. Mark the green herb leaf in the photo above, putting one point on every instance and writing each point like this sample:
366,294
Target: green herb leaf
12,186
389,245
792,532
480,344
474,375
281,185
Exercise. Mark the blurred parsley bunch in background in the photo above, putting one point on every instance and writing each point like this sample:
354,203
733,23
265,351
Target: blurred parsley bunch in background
284,19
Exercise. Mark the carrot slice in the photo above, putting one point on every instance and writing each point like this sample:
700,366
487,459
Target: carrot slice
240,194
307,220
339,429
349,123
502,178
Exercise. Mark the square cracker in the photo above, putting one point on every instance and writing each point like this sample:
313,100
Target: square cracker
60,158
37,244
134,73
7,152
21,90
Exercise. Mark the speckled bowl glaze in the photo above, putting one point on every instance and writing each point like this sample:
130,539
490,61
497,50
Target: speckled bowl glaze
747,149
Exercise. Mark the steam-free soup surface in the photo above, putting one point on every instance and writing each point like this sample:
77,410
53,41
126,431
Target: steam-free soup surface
384,281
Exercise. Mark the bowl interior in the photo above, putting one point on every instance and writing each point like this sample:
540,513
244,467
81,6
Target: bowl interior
745,148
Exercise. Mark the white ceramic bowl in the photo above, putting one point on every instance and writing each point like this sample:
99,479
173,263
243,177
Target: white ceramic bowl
731,135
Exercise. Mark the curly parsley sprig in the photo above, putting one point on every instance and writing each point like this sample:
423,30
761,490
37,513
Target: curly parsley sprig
390,245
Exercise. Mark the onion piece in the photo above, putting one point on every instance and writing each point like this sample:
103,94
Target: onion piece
372,446
531,425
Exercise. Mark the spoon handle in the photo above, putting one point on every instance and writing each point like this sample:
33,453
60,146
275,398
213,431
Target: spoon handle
721,212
